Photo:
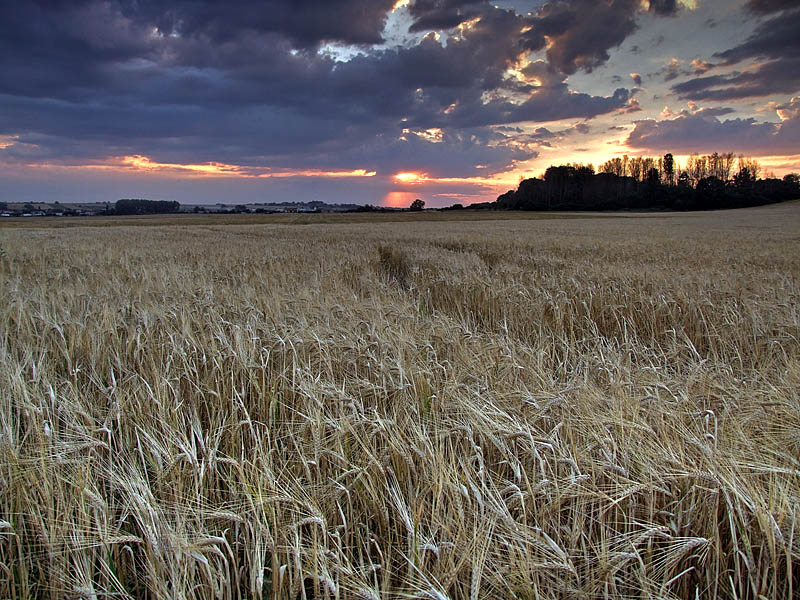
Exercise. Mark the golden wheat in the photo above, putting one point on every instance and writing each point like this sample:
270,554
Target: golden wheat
481,409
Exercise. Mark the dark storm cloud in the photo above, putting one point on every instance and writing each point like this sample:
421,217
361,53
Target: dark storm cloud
191,82
444,14
456,155
550,99
556,103
769,6
305,22
577,34
664,7
580,32
774,42
702,131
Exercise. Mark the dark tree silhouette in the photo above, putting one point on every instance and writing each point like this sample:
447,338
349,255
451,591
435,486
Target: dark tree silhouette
130,206
669,168
652,178
743,179
647,184
417,205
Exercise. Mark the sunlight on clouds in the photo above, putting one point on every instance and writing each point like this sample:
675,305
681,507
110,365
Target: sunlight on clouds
143,164
411,178
6,141
788,111
318,173
472,189
780,164
517,71
225,170
434,135
468,25
340,52
497,179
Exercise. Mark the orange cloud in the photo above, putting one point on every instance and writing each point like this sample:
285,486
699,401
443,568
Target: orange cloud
411,177
414,178
144,164
318,173
226,170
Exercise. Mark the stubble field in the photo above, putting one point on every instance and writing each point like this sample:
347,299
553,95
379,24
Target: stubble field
559,408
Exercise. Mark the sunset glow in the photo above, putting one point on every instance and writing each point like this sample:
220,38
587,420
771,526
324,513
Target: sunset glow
398,199
145,164
220,169
411,178
353,101
318,173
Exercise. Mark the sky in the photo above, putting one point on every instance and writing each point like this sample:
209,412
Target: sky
380,101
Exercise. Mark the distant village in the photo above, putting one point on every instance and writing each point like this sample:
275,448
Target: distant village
134,207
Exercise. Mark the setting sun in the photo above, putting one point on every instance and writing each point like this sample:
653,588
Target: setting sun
411,177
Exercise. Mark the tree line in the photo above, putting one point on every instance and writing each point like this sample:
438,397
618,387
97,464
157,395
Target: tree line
712,181
137,206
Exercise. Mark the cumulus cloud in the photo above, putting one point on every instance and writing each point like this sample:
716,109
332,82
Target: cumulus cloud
789,110
703,131
579,34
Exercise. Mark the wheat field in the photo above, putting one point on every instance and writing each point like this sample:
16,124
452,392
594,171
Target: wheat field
561,408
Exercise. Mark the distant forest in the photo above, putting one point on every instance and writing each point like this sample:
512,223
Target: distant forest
714,181
138,206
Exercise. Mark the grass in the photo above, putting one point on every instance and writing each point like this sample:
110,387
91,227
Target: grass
194,220
562,408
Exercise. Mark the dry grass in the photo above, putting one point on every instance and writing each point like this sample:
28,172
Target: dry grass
493,409
194,220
